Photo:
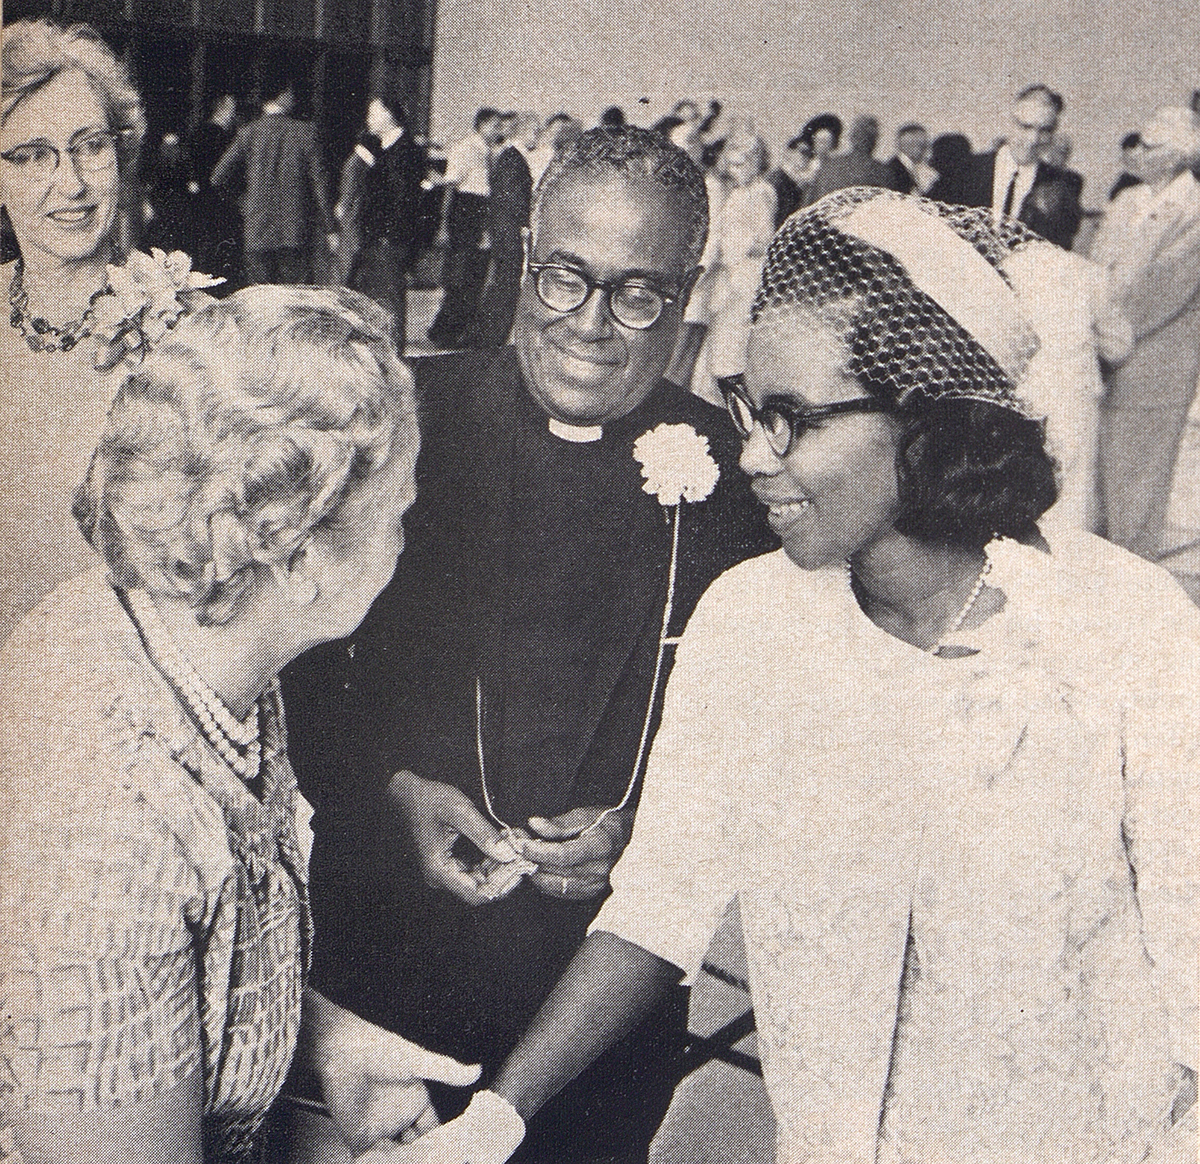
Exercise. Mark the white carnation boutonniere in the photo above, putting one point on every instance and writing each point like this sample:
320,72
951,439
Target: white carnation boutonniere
144,299
676,464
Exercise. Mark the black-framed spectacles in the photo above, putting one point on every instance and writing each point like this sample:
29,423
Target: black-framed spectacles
783,421
92,153
632,302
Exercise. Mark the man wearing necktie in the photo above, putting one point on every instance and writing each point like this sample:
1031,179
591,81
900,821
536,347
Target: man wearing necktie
1014,182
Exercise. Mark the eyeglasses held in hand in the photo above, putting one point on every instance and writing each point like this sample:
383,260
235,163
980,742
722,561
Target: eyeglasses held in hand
784,422
92,153
633,303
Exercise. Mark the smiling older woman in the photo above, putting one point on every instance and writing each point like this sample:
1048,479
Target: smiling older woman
948,767
247,497
71,124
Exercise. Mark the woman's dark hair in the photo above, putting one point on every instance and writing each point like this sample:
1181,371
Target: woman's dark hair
814,125
970,471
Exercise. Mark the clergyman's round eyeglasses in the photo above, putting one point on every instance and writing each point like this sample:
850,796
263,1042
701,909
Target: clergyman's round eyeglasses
632,302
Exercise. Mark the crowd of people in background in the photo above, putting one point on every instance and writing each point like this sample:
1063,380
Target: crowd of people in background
837,431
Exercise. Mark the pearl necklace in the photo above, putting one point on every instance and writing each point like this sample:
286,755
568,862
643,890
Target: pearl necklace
967,606
235,741
61,338
957,623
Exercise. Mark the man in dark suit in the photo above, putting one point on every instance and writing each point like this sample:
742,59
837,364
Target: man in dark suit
219,242
279,160
508,215
858,166
378,206
908,169
1013,180
503,689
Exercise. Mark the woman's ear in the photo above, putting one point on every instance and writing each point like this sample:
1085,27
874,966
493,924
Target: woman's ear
297,576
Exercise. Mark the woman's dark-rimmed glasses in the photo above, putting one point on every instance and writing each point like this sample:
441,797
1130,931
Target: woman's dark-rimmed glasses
91,153
632,302
783,421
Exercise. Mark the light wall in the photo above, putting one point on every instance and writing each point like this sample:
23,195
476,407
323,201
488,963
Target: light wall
949,63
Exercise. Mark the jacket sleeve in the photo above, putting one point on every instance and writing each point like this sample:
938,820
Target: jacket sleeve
232,160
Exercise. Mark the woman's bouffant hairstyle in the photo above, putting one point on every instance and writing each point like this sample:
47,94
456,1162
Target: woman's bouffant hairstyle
34,52
971,463
246,429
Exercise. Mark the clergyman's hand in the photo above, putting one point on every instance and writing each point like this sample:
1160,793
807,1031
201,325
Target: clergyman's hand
438,815
576,852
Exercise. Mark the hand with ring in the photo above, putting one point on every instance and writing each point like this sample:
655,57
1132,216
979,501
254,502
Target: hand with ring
575,852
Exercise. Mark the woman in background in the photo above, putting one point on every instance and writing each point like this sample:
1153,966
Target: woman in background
71,124
739,232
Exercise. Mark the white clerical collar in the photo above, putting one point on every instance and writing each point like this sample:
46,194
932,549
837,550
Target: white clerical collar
578,434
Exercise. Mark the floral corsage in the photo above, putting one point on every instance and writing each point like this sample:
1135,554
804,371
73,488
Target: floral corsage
144,299
676,464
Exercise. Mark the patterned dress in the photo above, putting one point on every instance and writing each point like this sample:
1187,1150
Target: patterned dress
154,914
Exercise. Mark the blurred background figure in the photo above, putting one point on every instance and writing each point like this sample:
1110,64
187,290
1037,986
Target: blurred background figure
379,204
508,215
218,221
858,166
909,171
561,129
464,228
739,233
791,177
821,135
170,192
949,157
1149,243
1130,150
276,160
1015,182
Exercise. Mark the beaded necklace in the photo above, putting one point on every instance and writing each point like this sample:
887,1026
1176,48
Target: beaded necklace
956,624
45,337
235,741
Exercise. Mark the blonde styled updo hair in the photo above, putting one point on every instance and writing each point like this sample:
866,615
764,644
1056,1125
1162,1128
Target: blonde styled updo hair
34,52
247,428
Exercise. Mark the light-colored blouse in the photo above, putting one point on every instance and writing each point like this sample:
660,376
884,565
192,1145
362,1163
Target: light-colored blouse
969,886
153,911
52,411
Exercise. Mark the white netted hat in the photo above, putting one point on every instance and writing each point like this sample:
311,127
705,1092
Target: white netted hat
913,287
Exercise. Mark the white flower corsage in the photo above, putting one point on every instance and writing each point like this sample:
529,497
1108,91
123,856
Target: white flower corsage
144,299
676,464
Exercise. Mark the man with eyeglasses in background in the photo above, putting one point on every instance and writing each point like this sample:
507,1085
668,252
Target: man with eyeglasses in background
502,692
1015,182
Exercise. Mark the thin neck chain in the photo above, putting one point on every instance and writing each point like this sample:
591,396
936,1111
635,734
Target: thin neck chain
235,741
46,337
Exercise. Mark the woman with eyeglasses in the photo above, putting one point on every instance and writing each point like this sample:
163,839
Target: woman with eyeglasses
71,124
948,766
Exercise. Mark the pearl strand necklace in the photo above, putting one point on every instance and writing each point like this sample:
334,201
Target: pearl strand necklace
957,624
969,605
235,741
